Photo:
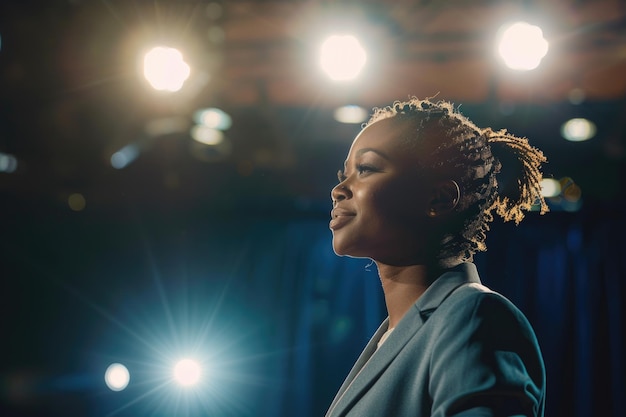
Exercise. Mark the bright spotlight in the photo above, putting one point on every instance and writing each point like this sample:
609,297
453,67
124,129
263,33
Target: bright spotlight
116,377
342,57
522,46
578,130
165,69
187,372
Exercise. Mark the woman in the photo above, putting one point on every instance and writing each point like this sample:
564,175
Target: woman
416,196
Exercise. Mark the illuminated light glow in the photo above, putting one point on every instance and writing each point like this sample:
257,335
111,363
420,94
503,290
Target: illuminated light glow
216,35
572,193
207,135
550,187
166,126
8,163
165,69
340,329
76,202
570,190
214,10
187,372
578,130
522,46
116,377
214,118
124,156
164,331
507,108
350,114
342,57
576,96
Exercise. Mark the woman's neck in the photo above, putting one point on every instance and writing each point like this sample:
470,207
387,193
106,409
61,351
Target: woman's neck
402,286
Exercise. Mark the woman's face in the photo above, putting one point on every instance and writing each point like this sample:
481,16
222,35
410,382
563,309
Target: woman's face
382,200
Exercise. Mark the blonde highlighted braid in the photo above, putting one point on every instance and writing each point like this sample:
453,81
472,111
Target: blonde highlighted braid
473,157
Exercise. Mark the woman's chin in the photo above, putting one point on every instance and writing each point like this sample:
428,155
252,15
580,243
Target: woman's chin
346,251
339,249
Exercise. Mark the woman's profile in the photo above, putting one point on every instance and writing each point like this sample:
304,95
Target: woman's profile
417,194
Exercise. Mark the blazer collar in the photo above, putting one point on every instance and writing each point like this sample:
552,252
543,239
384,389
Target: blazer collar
443,286
373,362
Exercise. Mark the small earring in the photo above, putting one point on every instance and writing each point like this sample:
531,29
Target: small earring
432,212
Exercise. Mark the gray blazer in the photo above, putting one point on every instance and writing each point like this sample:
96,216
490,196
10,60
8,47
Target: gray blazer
462,350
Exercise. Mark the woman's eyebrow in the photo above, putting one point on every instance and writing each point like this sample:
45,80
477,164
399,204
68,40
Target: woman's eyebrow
366,150
362,151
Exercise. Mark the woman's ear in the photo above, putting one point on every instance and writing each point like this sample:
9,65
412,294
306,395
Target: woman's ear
444,198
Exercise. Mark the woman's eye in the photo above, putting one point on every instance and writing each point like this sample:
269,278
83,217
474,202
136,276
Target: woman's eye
362,169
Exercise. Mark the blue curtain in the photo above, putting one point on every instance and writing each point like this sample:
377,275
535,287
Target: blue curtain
565,271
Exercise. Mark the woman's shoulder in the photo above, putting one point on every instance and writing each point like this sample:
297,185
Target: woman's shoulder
475,300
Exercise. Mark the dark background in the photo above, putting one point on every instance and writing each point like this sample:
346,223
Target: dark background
226,256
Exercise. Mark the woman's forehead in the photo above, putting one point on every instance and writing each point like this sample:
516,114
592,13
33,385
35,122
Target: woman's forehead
387,134
402,141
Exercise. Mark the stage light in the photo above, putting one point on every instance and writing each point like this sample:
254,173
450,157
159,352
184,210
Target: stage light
578,130
125,156
214,118
187,372
207,135
8,163
116,377
550,187
165,69
342,57
521,46
350,114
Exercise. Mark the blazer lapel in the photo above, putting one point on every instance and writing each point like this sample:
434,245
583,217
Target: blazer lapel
365,356
373,362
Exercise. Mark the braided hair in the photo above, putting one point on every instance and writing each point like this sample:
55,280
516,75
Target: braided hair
473,157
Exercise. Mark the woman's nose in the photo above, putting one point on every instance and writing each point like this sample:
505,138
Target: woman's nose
340,192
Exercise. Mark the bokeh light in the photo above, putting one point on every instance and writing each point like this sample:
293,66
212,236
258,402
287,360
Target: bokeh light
550,187
207,135
576,96
350,114
342,57
76,202
165,69
214,118
8,163
117,377
578,129
125,156
522,46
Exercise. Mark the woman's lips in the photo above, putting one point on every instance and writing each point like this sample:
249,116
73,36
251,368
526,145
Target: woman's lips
339,218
